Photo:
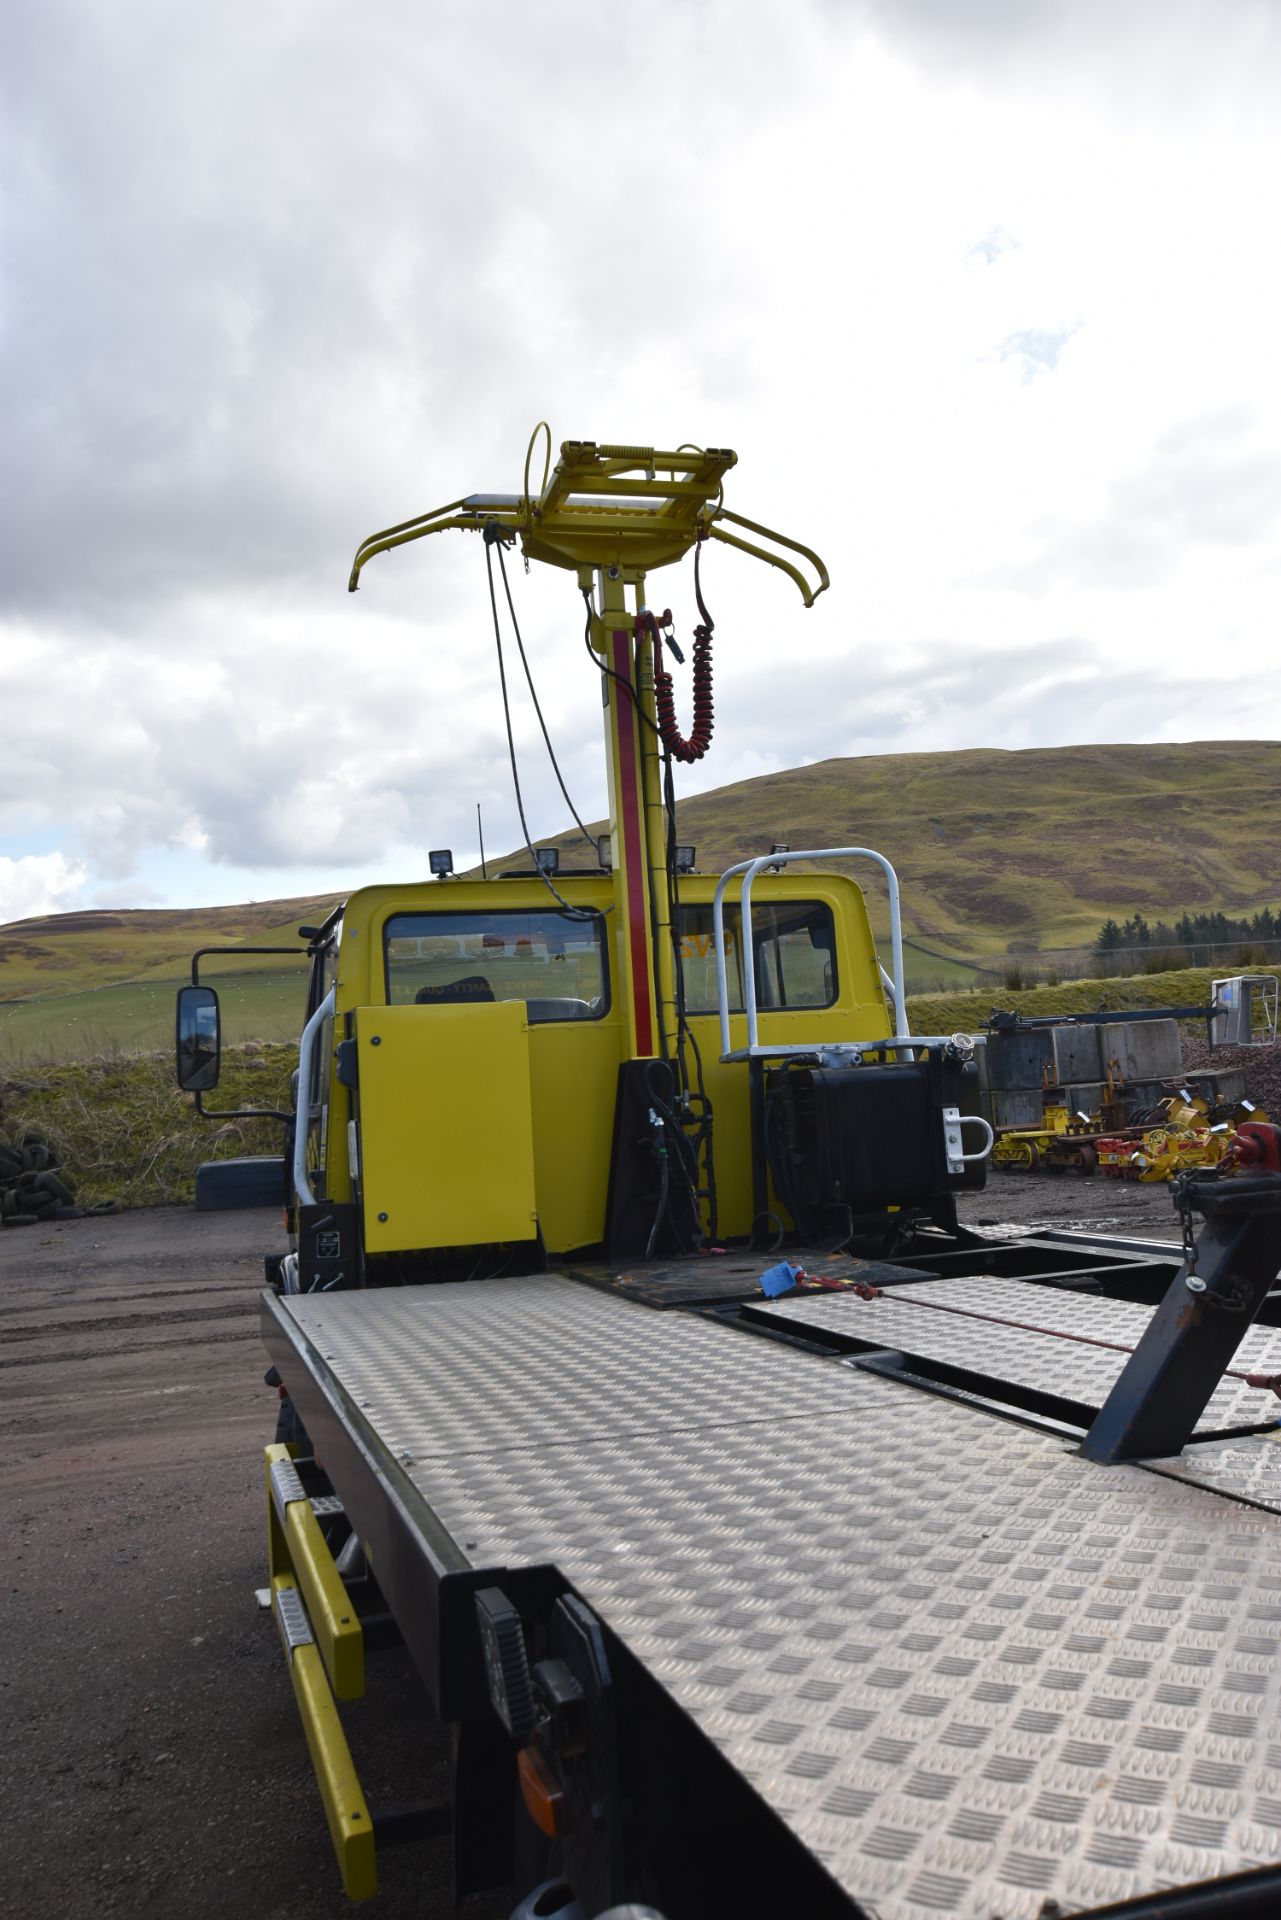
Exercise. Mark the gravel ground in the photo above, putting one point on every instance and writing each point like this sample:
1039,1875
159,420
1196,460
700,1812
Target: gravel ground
1071,1202
1260,1065
151,1759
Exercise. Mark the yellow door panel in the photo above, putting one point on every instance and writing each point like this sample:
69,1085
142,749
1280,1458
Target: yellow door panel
575,1078
446,1133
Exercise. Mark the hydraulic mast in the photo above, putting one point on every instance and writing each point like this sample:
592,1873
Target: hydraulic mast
614,513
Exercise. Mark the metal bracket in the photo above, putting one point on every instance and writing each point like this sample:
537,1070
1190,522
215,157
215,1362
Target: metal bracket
593,1842
953,1121
1166,1384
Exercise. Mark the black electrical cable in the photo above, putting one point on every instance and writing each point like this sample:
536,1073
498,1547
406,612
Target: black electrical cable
682,1141
605,670
780,1233
574,913
664,1185
703,1136
533,694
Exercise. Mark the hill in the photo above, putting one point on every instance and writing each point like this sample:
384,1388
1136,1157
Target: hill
77,984
66,952
999,854
1013,852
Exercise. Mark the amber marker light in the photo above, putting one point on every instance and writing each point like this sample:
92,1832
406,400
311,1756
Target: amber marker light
539,1791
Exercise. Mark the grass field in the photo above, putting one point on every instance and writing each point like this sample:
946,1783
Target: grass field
123,1130
138,1016
126,1133
965,1012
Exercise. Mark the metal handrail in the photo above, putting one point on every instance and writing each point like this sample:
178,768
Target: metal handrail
302,1117
749,870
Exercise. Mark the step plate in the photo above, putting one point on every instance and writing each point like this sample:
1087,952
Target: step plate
1013,1333
973,1672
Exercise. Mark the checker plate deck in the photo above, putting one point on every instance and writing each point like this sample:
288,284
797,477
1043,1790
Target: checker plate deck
1244,1469
974,1673
1016,1333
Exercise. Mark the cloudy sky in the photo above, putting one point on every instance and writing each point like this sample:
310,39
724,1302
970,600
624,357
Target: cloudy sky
985,293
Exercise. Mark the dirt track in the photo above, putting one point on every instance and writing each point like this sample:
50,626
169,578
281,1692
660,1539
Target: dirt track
151,1758
1072,1202
151,1755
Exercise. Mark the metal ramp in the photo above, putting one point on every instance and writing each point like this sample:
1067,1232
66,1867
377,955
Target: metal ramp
975,1674
1014,1334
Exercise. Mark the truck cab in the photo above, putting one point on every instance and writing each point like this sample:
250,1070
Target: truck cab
468,1046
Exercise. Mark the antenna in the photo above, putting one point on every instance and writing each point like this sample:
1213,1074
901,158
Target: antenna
484,871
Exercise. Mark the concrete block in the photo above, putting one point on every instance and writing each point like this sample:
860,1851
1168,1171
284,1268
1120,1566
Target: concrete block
1076,1054
1228,1086
1020,1057
1017,1107
1085,1097
1145,1049
1139,1095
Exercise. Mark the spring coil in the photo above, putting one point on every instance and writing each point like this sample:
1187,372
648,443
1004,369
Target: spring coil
700,737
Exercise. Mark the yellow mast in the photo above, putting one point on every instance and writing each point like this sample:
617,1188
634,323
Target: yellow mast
612,513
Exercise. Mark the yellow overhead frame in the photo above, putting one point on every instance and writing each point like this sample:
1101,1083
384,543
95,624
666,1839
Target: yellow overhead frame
611,513
613,506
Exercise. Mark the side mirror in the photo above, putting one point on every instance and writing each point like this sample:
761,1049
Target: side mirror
199,1039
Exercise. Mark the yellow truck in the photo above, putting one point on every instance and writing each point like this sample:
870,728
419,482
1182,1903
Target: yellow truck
770,1543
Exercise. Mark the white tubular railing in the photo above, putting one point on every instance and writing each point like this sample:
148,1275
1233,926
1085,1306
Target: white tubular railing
302,1116
749,870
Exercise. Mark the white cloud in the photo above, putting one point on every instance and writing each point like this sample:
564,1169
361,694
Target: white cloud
38,883
979,293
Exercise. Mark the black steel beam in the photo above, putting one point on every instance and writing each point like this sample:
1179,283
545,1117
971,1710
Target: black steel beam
1166,1384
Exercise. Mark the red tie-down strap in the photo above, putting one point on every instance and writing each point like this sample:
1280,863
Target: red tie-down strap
700,737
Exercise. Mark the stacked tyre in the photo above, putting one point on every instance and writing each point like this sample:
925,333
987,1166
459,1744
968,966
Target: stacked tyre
32,1187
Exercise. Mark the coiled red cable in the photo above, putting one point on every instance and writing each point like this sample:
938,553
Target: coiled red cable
700,737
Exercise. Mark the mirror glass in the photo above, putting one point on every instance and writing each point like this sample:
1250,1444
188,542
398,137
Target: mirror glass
199,1039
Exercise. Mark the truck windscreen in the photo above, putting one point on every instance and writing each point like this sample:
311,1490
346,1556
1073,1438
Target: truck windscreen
552,961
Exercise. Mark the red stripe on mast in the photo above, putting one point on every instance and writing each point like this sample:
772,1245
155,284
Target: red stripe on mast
633,843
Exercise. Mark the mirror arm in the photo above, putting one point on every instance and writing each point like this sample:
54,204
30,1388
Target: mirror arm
237,1113
291,953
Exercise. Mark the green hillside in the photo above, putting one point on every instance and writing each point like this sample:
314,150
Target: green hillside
67,952
1009,852
74,985
999,854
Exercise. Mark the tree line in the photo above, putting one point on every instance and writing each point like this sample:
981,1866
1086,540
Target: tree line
1193,940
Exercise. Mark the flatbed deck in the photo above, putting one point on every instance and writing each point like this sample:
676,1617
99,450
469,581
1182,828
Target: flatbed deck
973,1673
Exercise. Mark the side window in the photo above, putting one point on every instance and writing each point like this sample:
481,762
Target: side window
554,962
795,956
